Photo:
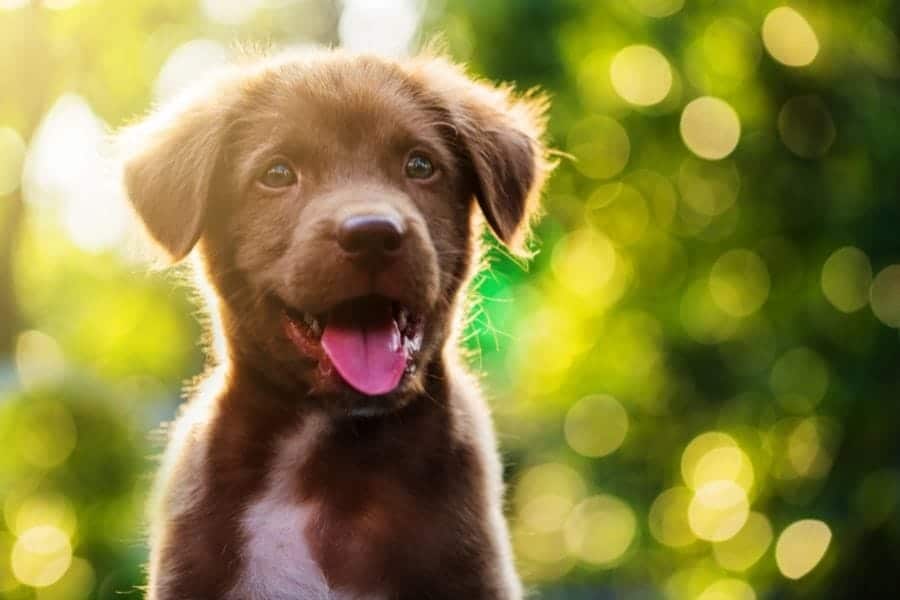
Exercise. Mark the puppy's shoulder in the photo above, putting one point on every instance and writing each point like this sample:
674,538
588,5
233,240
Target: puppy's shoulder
181,479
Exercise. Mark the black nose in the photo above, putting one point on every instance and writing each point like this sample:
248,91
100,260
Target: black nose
371,235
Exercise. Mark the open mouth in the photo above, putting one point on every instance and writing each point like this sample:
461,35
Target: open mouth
371,341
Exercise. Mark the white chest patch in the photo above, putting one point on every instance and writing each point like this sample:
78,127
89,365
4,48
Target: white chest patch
277,562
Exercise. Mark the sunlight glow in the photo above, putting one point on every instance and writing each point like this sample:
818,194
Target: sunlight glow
385,27
59,4
69,167
801,546
230,12
789,38
185,64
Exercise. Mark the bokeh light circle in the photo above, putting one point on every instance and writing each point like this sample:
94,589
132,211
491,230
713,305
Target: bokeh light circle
641,75
715,456
230,12
601,147
799,380
584,261
801,546
789,38
702,318
885,296
728,589
846,277
747,546
41,556
185,62
668,519
739,282
596,425
549,478
658,8
806,127
710,128
600,530
718,511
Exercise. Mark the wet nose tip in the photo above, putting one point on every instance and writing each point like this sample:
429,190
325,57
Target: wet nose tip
371,234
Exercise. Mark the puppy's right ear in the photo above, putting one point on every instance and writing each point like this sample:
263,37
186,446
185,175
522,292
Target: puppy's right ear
170,160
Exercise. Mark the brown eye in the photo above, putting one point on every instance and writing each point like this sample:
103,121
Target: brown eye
418,166
278,175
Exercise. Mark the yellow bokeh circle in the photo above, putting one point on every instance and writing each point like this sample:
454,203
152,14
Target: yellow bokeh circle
747,546
641,75
596,425
718,511
739,282
600,530
789,37
41,556
885,296
801,546
710,128
600,146
846,277
668,519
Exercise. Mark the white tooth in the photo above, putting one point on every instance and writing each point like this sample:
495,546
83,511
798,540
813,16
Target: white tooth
312,323
414,343
401,319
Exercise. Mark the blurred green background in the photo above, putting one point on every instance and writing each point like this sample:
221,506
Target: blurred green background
696,382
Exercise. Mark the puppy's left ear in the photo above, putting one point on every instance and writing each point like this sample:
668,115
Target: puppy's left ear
500,136
169,163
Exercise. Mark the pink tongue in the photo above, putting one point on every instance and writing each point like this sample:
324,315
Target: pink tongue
366,352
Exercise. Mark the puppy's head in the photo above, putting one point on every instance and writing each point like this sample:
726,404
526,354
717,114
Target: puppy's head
332,200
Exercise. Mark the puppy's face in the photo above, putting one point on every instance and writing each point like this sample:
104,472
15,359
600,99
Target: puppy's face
333,199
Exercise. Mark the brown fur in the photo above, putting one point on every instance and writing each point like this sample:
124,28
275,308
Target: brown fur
407,503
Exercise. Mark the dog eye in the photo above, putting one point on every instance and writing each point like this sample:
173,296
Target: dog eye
418,166
278,175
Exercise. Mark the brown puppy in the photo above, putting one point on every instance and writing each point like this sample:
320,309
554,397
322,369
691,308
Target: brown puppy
338,450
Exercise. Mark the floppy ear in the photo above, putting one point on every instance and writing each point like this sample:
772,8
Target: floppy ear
499,134
170,160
